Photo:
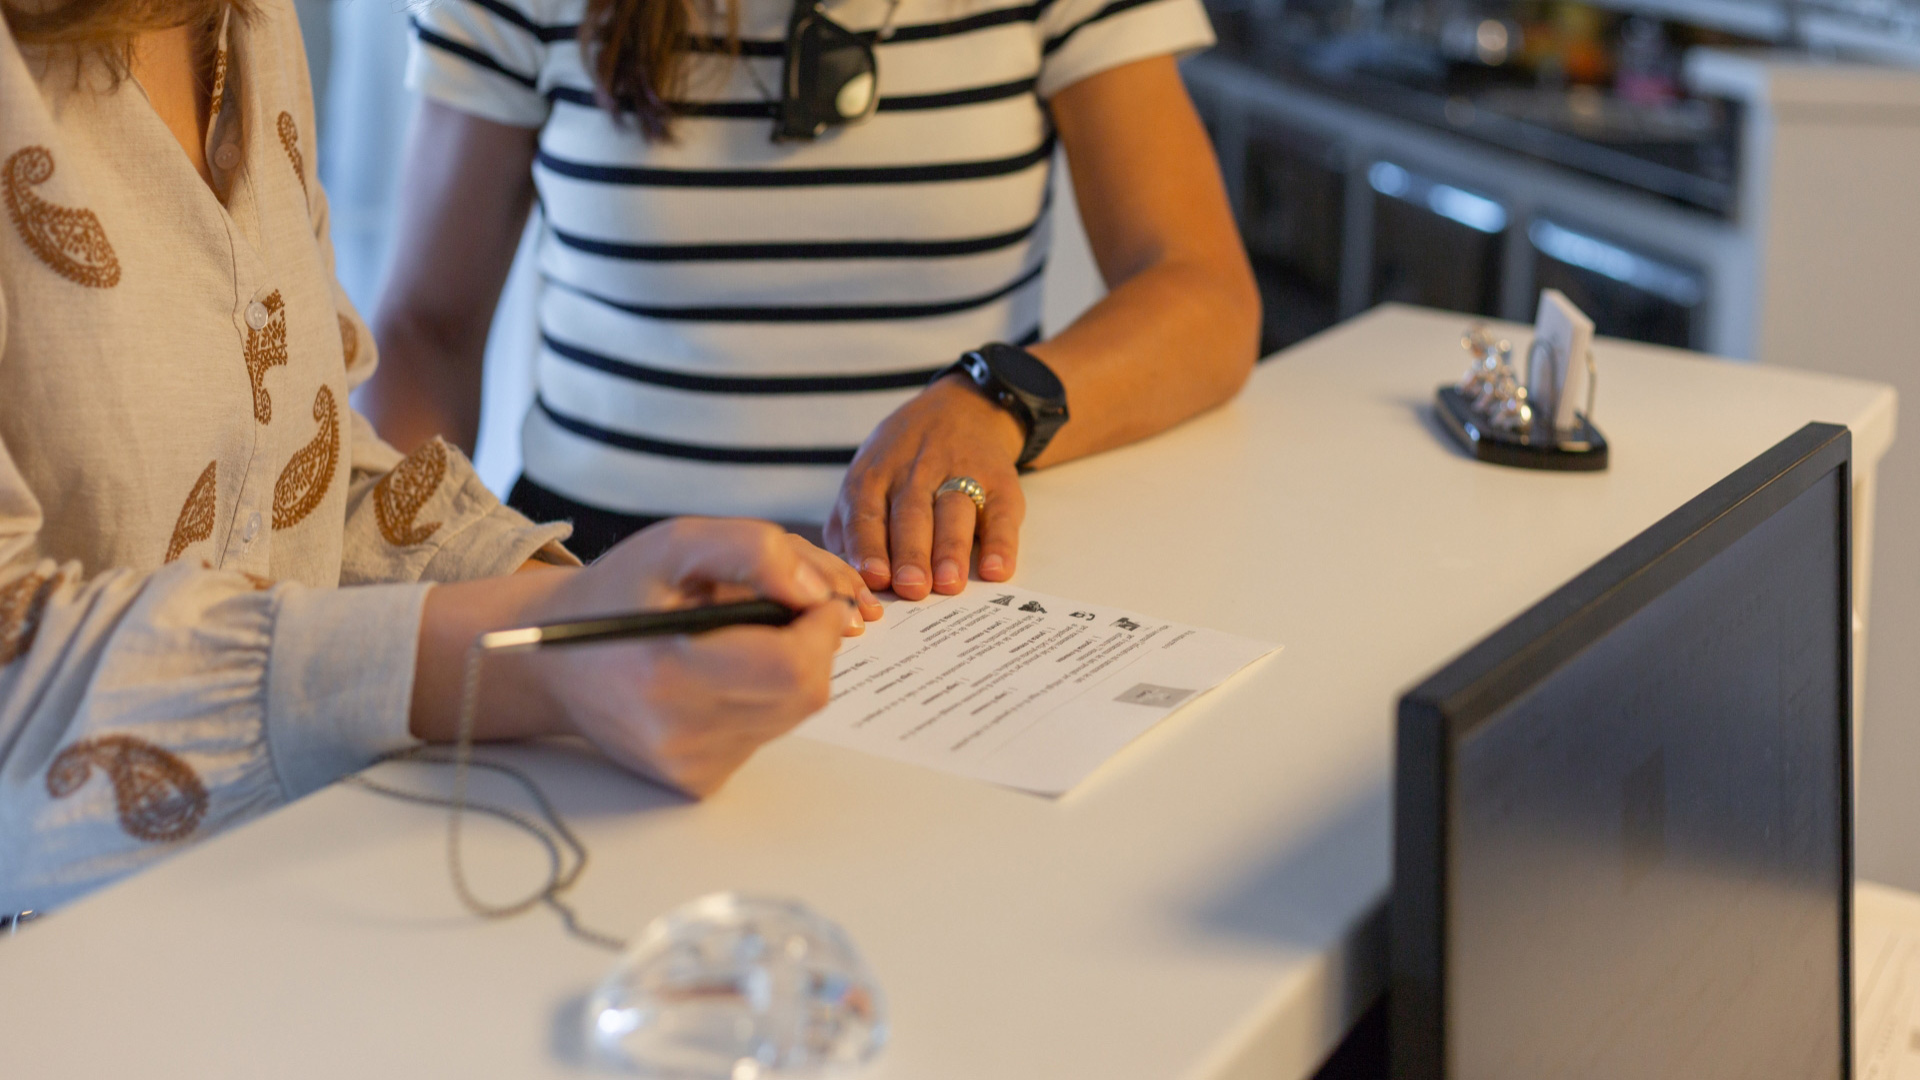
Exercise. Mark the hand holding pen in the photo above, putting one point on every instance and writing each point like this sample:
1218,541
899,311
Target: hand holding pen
687,710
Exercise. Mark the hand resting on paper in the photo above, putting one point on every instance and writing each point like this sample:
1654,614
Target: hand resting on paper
887,520
686,711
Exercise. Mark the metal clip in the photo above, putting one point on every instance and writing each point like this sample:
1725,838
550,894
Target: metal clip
1593,387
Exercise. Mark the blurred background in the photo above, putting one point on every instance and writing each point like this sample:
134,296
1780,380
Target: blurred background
1740,177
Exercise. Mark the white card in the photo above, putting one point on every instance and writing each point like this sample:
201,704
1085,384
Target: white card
1557,379
1016,687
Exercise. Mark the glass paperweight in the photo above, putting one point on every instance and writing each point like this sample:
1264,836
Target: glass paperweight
732,987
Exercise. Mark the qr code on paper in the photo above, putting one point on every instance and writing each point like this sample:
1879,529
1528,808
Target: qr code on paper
1158,697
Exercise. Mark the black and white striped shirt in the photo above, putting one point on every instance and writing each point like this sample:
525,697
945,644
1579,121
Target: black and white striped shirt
724,319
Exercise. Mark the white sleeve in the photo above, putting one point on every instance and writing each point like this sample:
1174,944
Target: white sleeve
140,713
483,57
1080,38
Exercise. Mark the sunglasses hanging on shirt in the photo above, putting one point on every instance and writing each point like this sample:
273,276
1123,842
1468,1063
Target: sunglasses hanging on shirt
830,79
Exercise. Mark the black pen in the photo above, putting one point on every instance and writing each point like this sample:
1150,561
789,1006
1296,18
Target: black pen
639,624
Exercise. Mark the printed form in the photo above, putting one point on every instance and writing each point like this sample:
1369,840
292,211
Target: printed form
1886,983
1016,687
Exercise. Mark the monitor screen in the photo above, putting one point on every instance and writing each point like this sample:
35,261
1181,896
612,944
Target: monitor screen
1623,841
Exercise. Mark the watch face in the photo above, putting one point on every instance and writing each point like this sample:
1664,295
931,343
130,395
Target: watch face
1021,371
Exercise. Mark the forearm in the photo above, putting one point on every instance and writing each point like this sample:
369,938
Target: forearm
511,705
1170,342
1181,329
428,381
464,203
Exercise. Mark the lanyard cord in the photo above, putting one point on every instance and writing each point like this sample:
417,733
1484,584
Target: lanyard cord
552,833
885,33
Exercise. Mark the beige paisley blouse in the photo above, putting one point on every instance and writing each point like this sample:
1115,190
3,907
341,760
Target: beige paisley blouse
211,568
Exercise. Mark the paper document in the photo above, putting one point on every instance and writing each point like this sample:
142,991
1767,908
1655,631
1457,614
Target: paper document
1017,687
1886,975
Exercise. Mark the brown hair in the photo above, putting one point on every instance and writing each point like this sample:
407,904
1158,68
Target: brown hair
108,27
637,49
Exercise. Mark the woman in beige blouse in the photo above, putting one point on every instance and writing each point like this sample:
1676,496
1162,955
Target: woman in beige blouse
213,575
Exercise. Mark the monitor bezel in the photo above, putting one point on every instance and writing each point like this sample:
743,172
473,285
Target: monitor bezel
1437,714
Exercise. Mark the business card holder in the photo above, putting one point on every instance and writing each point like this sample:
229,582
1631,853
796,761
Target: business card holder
1488,412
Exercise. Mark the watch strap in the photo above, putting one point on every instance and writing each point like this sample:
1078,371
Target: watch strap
1022,384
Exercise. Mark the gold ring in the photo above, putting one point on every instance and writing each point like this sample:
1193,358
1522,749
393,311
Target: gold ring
965,485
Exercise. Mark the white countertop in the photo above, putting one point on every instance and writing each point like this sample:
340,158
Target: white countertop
1206,905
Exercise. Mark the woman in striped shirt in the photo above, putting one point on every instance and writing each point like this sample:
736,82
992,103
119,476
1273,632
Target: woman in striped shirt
731,324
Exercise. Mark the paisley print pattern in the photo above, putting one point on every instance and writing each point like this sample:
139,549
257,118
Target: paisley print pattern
195,522
349,340
400,494
159,796
309,472
290,138
22,601
219,81
266,348
70,241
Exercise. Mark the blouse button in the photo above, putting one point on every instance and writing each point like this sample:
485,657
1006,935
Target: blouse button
257,315
253,528
227,156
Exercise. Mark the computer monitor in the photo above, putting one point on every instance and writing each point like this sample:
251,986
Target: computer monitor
1622,831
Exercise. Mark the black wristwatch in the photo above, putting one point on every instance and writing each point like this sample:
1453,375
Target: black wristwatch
1022,384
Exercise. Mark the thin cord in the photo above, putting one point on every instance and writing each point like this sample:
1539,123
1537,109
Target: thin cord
766,93
885,33
553,835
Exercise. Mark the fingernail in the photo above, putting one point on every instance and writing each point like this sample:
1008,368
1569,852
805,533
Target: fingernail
910,575
991,564
855,622
947,573
875,566
810,585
